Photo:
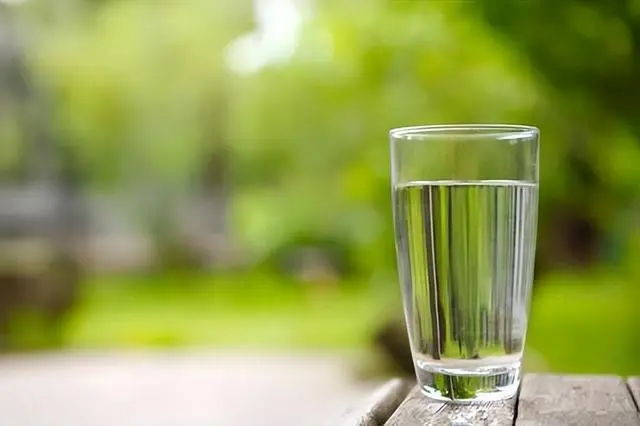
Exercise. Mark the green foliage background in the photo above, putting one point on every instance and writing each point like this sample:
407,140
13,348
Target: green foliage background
141,92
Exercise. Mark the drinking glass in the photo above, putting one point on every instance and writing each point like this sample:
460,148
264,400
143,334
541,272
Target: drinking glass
465,200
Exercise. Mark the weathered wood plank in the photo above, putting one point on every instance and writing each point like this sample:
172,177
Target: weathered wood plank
634,387
418,410
377,408
575,400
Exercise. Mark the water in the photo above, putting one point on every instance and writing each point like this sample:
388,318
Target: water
465,254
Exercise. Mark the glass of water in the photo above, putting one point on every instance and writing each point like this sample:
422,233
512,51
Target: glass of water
465,200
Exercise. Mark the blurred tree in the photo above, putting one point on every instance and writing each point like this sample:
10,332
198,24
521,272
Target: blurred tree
587,51
589,48
303,133
140,98
351,79
151,85
312,131
41,213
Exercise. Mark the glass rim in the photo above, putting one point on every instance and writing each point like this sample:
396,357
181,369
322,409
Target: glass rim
479,131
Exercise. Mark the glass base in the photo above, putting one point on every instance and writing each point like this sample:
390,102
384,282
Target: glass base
468,385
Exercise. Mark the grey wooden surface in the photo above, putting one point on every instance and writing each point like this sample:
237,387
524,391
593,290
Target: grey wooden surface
375,410
575,400
417,410
544,400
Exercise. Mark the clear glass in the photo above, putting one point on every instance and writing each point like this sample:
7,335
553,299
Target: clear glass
465,200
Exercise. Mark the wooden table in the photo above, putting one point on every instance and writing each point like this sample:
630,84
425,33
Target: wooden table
544,399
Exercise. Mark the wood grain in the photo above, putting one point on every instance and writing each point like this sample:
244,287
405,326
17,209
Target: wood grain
418,410
575,400
634,387
377,408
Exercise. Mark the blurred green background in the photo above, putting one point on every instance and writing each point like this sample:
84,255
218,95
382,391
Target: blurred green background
209,173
